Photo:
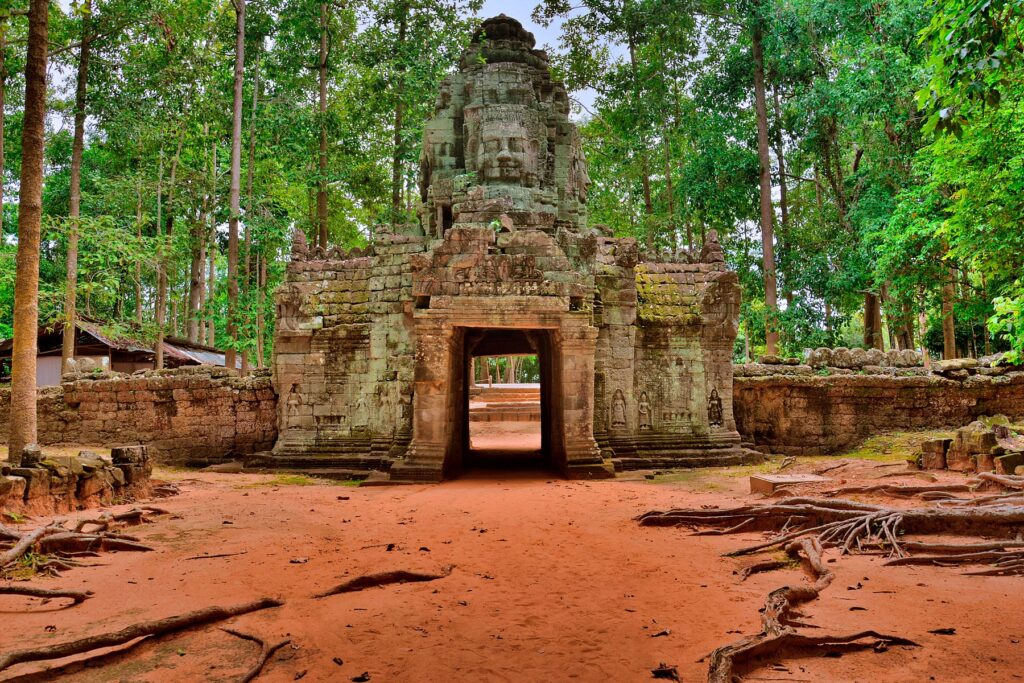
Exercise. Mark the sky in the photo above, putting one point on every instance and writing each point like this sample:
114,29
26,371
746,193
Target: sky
547,38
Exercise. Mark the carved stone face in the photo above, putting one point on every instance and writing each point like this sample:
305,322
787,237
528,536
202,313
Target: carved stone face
505,154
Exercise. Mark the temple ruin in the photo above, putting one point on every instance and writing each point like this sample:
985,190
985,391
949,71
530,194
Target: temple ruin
374,346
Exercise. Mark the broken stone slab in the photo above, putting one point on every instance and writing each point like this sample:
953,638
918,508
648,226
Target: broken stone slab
11,489
1009,464
933,453
226,467
37,481
129,455
31,455
768,483
954,364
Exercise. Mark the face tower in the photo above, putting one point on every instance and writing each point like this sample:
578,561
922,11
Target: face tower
500,141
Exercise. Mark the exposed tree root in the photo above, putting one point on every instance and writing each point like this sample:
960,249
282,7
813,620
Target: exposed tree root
846,524
778,633
71,542
759,567
383,579
130,633
807,526
893,490
1009,482
266,652
46,593
26,542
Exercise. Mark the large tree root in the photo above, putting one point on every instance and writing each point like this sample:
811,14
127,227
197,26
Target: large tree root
266,652
808,525
60,542
383,579
130,633
778,633
846,524
46,593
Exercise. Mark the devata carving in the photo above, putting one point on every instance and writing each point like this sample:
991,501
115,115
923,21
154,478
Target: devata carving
714,409
618,410
372,345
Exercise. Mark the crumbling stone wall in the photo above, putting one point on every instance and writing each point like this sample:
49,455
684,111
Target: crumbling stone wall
186,416
804,414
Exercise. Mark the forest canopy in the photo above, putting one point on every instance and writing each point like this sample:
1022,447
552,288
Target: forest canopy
879,146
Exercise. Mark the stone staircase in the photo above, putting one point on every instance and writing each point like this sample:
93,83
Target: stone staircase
505,403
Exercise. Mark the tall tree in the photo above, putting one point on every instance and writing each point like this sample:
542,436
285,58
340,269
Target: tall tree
30,208
765,185
235,190
75,200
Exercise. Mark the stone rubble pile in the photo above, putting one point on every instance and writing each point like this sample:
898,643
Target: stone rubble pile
989,444
48,484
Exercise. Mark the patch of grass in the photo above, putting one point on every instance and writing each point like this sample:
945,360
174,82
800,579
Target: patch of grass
297,480
15,517
893,446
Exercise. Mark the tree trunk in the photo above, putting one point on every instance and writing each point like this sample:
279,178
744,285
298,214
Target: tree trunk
196,283
236,184
249,172
948,325
138,262
767,229
872,322
780,157
3,104
212,297
210,333
160,314
261,324
906,337
321,183
165,251
669,192
22,419
396,161
75,199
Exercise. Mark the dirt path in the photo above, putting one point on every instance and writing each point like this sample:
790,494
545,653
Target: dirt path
553,581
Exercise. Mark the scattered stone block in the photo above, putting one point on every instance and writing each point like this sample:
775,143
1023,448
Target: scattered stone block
31,455
933,453
37,481
12,489
1009,463
768,483
984,462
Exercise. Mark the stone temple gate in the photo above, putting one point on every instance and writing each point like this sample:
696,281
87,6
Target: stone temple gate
374,346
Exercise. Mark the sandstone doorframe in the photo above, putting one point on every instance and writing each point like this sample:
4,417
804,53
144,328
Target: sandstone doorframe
440,417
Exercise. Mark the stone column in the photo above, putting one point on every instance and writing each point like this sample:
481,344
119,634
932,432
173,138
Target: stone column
574,349
432,412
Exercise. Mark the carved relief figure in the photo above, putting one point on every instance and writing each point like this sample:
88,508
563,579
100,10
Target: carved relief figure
618,410
644,412
715,409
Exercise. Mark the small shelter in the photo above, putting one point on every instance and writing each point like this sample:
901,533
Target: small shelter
119,353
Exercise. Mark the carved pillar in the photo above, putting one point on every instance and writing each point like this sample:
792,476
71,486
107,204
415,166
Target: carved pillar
433,412
574,350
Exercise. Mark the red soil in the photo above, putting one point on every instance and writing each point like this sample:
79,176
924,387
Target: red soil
553,581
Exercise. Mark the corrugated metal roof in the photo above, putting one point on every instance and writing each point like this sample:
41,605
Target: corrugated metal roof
174,347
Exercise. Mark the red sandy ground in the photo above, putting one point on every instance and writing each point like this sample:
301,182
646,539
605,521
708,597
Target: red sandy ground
553,581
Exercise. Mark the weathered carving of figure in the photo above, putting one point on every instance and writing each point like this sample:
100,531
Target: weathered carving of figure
715,409
618,410
643,409
506,154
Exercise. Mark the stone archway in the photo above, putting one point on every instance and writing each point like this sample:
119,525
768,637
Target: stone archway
440,404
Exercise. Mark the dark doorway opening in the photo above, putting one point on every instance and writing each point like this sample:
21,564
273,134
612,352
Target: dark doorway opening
508,421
